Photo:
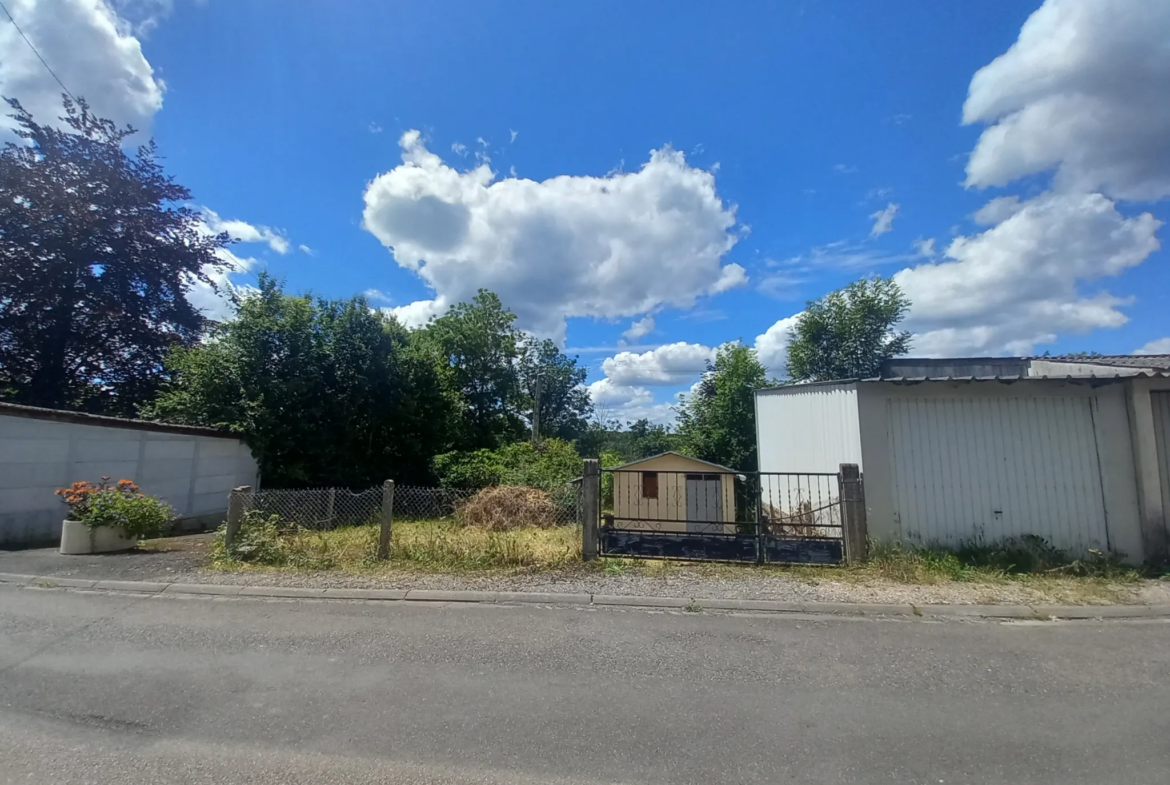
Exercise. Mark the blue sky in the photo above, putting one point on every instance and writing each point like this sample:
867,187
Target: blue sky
799,146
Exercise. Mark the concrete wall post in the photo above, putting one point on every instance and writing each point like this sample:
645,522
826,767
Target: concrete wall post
590,508
235,512
387,520
852,490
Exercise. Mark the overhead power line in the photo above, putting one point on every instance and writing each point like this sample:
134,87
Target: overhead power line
35,52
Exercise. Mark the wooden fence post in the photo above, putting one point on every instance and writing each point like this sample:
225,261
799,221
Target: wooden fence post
590,508
235,513
387,520
852,490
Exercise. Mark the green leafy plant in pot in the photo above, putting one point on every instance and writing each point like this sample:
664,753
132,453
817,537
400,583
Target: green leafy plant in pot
105,516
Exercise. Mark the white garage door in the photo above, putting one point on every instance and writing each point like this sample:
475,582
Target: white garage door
1161,404
989,468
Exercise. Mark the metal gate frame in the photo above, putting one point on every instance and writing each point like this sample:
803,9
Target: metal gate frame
763,517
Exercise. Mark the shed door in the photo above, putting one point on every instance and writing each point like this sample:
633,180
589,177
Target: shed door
989,468
704,507
1160,401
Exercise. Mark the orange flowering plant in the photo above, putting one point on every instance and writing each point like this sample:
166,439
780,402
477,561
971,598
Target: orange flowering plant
121,505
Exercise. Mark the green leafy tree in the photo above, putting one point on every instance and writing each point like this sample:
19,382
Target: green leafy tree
717,422
646,439
481,347
326,392
549,466
630,442
847,334
98,250
565,405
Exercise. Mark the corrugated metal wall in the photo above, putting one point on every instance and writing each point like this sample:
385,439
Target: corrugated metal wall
1160,401
997,467
808,429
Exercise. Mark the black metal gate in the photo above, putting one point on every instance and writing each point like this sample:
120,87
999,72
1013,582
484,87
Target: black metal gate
753,517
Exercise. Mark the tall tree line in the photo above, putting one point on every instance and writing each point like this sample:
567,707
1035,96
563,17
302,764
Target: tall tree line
334,392
99,249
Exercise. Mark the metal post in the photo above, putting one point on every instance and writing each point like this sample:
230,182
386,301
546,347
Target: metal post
235,513
387,520
590,508
852,494
761,527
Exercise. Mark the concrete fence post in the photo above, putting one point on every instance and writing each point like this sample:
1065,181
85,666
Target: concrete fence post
387,520
852,490
235,513
590,508
330,501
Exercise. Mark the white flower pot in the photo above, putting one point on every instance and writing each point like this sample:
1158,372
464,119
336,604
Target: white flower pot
77,539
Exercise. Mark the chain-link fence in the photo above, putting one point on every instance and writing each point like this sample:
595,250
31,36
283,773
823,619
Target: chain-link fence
325,509
524,506
316,509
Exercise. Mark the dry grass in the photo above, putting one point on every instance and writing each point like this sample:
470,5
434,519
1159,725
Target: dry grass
890,567
440,545
508,507
448,545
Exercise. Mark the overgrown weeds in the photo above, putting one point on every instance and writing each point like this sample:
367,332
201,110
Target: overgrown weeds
431,545
1026,564
1014,557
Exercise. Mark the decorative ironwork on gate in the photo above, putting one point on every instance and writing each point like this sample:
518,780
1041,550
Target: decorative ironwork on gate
757,517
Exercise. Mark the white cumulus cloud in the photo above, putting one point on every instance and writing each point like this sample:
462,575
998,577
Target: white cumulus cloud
1159,346
1084,91
672,364
93,50
639,329
626,403
772,346
610,247
997,210
1018,283
417,313
883,220
245,232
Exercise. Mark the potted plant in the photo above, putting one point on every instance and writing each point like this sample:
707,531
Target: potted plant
105,517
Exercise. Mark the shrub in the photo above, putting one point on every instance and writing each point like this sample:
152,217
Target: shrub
258,540
550,466
506,507
119,505
268,540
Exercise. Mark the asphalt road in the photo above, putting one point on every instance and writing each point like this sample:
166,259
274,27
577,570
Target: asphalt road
100,688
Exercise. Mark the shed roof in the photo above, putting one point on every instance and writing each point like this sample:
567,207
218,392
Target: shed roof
672,452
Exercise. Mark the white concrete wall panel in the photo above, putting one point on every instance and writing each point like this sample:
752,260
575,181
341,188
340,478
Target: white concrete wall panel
37,456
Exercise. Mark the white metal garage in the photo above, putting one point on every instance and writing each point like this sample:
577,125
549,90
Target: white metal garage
990,468
953,460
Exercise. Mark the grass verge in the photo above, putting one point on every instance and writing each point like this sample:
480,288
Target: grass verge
438,545
984,573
